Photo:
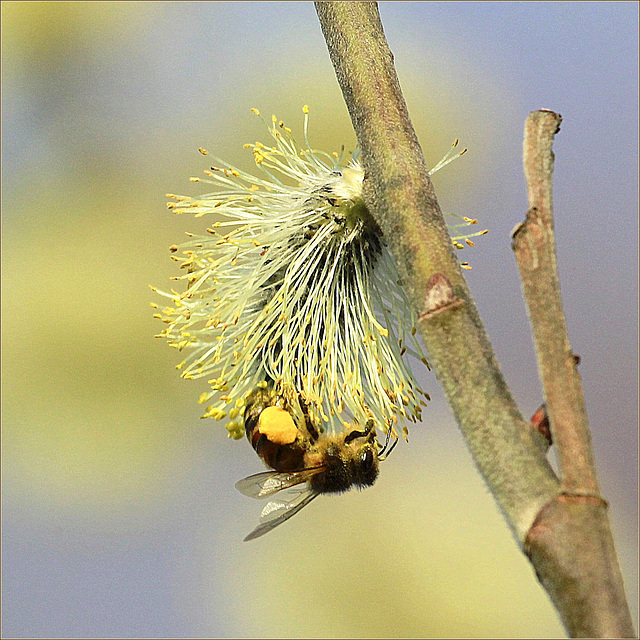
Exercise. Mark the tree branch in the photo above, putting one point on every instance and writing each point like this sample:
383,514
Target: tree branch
570,544
563,528
400,196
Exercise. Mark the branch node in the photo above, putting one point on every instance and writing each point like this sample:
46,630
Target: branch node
547,516
531,223
517,229
582,498
439,297
540,423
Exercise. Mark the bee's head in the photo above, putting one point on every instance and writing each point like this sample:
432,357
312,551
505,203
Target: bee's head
362,447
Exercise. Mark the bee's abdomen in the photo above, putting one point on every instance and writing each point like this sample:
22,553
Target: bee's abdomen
272,433
283,458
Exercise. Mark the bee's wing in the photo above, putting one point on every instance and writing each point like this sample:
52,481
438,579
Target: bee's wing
261,485
278,511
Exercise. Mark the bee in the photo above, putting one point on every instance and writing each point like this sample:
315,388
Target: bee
304,461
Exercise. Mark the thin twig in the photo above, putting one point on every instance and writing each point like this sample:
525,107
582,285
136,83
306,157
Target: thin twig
534,247
570,544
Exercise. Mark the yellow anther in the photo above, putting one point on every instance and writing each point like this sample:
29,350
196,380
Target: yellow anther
204,152
255,111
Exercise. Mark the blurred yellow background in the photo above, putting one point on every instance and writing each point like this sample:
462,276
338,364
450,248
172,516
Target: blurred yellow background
119,512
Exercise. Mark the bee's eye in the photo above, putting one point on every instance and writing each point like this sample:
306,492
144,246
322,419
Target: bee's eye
366,459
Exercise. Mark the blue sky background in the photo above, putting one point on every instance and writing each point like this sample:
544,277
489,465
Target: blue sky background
119,512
